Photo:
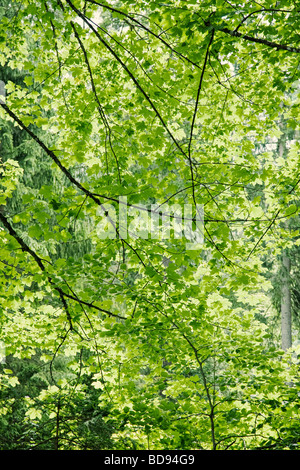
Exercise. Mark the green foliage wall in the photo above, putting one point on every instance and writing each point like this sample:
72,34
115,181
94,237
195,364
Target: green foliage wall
162,104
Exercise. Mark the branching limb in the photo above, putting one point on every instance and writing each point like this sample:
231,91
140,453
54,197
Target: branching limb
262,10
100,108
148,30
39,261
273,45
130,74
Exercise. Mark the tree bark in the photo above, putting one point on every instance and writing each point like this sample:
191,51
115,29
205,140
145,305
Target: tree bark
286,304
286,313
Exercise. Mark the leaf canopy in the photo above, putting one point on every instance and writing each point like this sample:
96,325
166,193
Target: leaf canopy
121,112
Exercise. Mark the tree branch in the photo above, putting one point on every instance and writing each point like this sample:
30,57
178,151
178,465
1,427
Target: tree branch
100,107
41,265
131,18
195,111
262,10
129,73
274,45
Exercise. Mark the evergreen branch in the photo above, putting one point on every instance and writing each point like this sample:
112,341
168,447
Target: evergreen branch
50,153
21,242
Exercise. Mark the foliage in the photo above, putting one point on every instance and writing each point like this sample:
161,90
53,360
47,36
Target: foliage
162,104
42,416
